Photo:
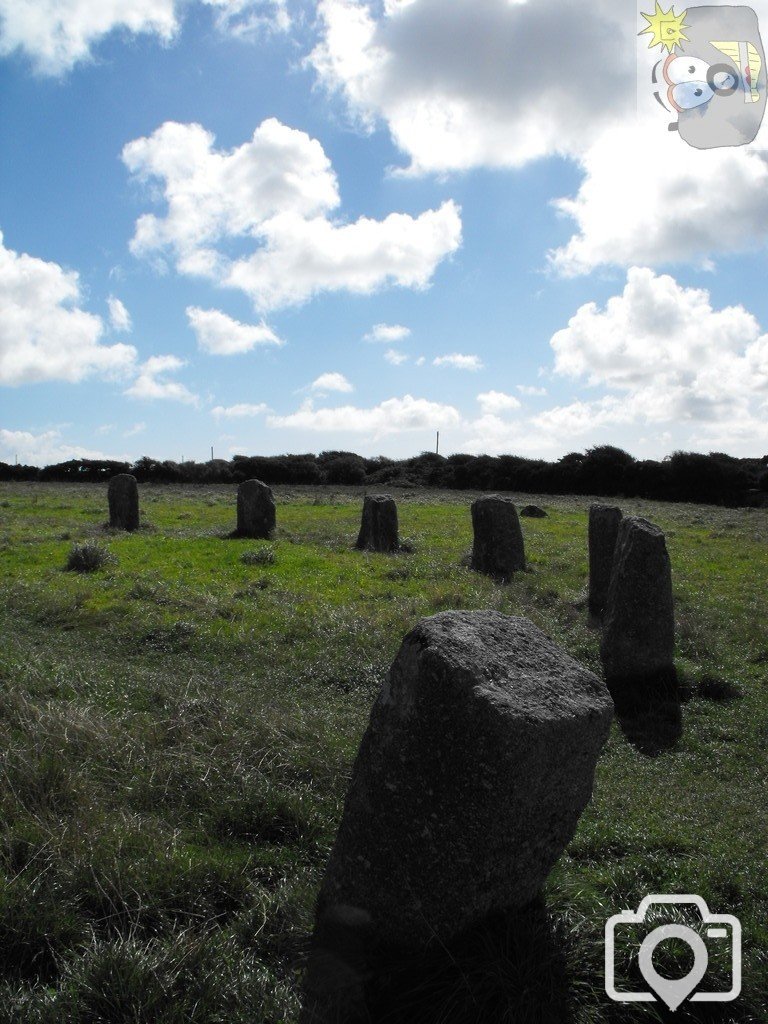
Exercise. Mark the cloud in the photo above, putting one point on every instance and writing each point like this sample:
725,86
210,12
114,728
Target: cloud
247,18
220,335
665,356
119,316
393,416
627,211
331,382
243,409
494,402
150,382
475,83
395,358
44,334
531,390
665,368
459,362
388,333
57,34
41,449
137,428
278,190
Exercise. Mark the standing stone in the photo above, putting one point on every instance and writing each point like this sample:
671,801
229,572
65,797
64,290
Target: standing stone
378,527
603,530
476,765
498,549
255,510
638,639
123,498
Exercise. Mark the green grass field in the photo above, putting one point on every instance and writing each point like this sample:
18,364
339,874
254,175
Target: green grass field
177,730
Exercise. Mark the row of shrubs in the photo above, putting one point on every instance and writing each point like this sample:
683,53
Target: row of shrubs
684,476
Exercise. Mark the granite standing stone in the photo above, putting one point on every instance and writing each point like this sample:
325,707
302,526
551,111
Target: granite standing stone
604,523
123,498
476,765
255,510
638,640
378,527
498,549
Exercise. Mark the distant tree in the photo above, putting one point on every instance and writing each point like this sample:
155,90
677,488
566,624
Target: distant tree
346,469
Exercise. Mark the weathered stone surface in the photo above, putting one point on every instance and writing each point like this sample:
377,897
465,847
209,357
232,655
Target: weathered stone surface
123,498
638,640
604,523
470,779
255,510
378,527
533,512
498,548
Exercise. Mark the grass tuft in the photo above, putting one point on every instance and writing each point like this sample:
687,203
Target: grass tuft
89,557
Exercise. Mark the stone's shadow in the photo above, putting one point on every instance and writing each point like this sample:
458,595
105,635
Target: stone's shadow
510,967
649,712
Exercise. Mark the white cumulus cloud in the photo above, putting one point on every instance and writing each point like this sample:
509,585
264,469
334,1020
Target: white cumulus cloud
388,333
331,382
458,361
473,83
151,381
57,34
495,402
394,357
393,416
41,449
664,355
221,335
241,410
280,191
44,333
119,316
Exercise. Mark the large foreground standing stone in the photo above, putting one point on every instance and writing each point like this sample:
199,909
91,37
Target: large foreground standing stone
255,510
498,548
378,527
470,779
123,498
638,640
604,523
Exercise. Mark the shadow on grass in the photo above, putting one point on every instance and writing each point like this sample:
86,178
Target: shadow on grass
509,968
649,713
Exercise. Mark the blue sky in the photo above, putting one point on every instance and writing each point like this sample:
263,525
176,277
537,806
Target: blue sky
271,227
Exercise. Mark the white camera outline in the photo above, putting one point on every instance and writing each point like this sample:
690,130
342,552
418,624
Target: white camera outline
632,917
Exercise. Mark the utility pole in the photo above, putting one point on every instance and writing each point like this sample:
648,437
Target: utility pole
437,444
211,453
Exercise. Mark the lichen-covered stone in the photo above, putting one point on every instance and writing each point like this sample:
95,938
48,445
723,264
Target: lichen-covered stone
604,523
638,641
470,779
498,549
123,498
378,527
255,510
